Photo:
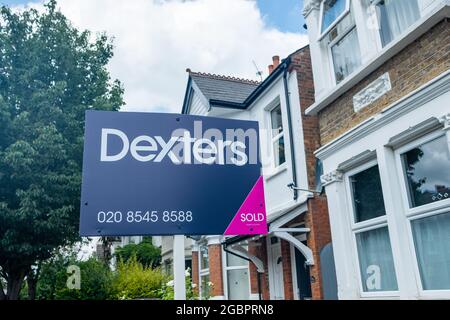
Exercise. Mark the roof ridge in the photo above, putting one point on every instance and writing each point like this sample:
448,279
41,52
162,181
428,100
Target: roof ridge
223,77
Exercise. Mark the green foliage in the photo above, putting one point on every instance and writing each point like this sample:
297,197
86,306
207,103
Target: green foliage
50,74
95,279
145,252
167,289
95,282
134,281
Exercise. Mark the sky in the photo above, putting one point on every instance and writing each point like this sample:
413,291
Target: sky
157,40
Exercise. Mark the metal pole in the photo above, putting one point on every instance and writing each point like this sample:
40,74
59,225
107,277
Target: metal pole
179,268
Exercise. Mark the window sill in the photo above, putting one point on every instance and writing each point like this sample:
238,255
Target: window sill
415,31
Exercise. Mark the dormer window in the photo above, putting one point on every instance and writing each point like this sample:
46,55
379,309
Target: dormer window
331,12
394,17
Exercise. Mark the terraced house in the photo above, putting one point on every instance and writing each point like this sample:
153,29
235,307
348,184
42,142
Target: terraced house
381,74
294,261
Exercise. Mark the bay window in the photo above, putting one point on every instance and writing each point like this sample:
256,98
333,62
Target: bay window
395,16
425,167
427,172
374,252
277,136
432,243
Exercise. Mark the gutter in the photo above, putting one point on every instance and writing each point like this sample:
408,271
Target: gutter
291,137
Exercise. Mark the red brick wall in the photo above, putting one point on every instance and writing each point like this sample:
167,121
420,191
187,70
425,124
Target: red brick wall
215,269
301,63
259,251
287,270
317,216
195,271
317,220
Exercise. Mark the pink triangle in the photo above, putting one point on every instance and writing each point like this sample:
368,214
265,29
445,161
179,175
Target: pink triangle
251,216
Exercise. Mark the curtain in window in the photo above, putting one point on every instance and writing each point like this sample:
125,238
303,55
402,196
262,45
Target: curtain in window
376,261
346,55
432,243
396,16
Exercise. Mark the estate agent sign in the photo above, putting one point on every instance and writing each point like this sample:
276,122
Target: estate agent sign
168,174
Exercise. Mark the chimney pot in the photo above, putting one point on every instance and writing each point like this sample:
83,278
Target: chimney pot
276,61
271,68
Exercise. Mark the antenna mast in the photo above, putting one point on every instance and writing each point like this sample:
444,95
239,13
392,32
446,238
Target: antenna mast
258,72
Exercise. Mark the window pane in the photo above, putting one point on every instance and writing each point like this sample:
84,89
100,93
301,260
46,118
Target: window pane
375,261
342,27
432,243
277,123
368,201
395,17
346,55
428,172
238,284
278,149
235,261
204,261
205,286
332,9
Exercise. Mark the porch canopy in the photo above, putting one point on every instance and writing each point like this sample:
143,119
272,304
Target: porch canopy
276,220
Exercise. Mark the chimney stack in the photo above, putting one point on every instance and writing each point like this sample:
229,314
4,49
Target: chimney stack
270,68
276,61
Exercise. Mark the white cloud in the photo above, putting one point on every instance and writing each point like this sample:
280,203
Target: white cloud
155,41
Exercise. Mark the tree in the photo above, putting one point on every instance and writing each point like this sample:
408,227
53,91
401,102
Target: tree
145,253
50,74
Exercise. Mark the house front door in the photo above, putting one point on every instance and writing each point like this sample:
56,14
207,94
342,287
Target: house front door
276,272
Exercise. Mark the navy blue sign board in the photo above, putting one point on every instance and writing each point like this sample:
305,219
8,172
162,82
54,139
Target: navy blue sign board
168,174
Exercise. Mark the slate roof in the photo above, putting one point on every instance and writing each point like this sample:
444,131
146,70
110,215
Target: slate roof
223,88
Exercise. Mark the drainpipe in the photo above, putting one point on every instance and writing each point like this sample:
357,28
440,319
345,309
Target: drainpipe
291,137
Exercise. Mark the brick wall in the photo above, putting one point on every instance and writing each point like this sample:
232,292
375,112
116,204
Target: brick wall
418,63
287,270
215,269
317,216
259,251
195,271
317,220
301,62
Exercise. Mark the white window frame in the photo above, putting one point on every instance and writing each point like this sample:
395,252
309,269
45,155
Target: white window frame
330,53
274,105
368,225
335,22
424,211
226,268
202,272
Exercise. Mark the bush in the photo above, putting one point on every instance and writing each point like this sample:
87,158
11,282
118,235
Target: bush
95,282
135,281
